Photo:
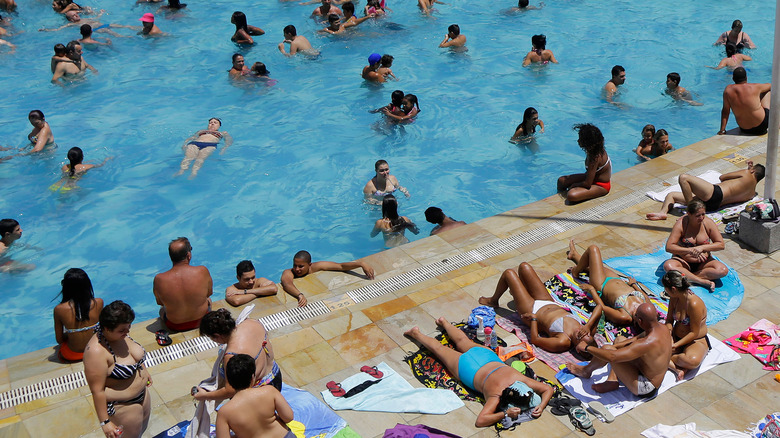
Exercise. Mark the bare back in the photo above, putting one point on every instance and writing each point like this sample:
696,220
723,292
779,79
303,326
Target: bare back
745,102
251,338
739,189
251,413
65,318
184,292
654,363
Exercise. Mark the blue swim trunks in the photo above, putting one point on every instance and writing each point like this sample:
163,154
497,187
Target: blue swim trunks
471,361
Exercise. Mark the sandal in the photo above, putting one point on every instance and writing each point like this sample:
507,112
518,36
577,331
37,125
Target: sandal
372,371
162,338
335,389
562,405
600,411
580,420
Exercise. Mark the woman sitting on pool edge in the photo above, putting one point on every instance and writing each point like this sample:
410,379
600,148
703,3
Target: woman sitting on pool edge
80,309
480,369
594,183
202,144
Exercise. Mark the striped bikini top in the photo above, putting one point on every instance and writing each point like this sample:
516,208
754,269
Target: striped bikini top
122,371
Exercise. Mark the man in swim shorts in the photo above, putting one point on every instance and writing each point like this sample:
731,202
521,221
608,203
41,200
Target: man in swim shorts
639,363
734,187
183,291
302,266
435,215
748,102
239,68
618,78
248,286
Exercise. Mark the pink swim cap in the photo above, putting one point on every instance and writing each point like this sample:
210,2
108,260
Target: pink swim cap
147,18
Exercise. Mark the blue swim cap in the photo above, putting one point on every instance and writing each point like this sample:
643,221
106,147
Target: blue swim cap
374,58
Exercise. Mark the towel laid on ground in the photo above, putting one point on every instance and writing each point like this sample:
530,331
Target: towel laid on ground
761,341
418,431
689,431
311,418
622,400
393,394
648,270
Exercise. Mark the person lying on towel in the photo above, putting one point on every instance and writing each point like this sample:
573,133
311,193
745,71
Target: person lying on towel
541,313
507,392
618,298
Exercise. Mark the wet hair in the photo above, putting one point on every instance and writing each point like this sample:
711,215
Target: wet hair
234,57
259,69
650,128
454,29
179,252
36,114
528,126
736,23
397,97
675,279
675,77
348,7
303,255
116,313
390,211
660,133
175,4
387,60
731,49
695,205
740,75
434,215
379,163
512,396
616,70
77,287
244,266
591,140
217,322
59,49
290,30
75,156
333,18
217,119
539,41
759,171
239,19
7,226
522,4
240,371
413,100
86,30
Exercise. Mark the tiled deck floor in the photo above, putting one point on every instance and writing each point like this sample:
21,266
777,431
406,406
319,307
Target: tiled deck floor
334,346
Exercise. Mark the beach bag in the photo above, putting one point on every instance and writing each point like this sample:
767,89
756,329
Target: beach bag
766,210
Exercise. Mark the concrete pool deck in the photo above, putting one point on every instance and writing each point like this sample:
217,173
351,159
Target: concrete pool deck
334,345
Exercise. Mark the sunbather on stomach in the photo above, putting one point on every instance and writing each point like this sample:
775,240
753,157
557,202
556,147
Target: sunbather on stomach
687,320
541,313
618,298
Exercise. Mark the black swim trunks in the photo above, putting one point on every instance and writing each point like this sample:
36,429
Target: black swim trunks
713,204
761,128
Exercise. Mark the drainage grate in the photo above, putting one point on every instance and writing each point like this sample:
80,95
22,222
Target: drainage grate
552,226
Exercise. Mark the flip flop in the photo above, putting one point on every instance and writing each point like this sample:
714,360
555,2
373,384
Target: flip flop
579,419
335,389
162,338
562,405
600,411
372,371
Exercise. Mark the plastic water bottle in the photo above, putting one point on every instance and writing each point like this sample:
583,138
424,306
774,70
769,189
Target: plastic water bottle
481,330
488,336
493,340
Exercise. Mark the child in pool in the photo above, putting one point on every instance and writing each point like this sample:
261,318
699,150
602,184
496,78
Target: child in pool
645,146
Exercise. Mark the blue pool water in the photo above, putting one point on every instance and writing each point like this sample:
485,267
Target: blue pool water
305,147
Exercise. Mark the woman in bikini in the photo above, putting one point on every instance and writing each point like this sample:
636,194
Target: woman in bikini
538,52
73,170
735,36
687,321
618,298
541,313
694,237
392,225
76,317
40,137
116,375
594,182
203,143
732,59
480,369
247,337
244,32
528,126
645,146
382,184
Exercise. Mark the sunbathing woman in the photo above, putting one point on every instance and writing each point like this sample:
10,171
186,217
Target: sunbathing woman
595,182
480,369
694,237
687,320
76,317
392,225
202,144
618,298
541,313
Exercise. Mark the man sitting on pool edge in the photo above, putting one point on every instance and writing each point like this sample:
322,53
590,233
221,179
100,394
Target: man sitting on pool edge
248,286
302,266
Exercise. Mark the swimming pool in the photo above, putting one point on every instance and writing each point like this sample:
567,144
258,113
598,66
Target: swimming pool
305,147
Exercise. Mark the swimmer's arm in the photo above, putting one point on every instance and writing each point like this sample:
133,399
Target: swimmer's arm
488,415
243,38
376,228
541,125
446,42
293,48
43,137
721,39
6,43
527,59
43,29
228,141
289,286
745,57
639,153
412,226
281,48
358,21
346,266
89,66
721,64
191,138
552,57
724,112
747,41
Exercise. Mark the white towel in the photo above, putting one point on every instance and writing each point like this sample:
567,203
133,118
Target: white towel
710,176
689,431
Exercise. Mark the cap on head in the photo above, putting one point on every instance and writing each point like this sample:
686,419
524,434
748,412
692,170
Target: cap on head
374,58
147,18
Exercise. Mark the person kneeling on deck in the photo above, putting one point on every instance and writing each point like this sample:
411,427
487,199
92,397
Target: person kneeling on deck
253,411
183,291
479,368
248,286
639,363
302,266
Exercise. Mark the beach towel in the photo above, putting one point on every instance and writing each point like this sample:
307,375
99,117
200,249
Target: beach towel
513,324
622,400
767,427
689,431
418,431
648,270
392,394
761,341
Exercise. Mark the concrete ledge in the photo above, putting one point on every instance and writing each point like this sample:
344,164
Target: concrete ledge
762,235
